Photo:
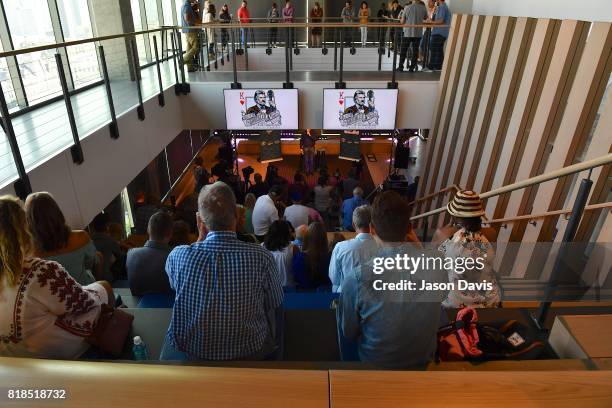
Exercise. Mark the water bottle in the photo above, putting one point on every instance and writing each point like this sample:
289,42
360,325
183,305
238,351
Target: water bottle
140,350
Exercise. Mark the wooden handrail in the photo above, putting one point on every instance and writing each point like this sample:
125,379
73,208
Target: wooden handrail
565,171
76,42
546,214
444,190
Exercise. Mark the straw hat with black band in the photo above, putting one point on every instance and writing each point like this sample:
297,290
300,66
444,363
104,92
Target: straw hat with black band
466,204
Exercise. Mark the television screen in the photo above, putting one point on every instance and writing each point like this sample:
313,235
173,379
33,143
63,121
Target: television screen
261,108
362,108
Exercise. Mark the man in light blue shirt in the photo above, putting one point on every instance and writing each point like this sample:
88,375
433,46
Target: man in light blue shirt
348,256
349,205
394,327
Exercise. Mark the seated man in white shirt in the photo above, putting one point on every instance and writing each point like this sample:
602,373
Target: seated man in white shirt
348,256
265,212
297,214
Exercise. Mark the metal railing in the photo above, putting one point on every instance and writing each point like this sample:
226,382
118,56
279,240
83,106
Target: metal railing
63,86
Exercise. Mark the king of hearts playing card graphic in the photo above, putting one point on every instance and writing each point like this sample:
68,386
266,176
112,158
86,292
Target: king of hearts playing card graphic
357,110
260,110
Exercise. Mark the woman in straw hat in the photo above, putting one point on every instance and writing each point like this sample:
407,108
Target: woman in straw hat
474,285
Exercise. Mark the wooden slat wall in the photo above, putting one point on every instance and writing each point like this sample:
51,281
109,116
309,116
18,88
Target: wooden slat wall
518,98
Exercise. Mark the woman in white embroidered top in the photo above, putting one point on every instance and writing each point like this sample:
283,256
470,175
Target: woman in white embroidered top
475,286
44,312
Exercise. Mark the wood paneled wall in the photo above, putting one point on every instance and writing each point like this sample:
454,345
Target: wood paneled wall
519,97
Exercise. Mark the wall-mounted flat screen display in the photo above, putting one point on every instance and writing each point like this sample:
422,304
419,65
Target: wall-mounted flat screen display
261,108
361,108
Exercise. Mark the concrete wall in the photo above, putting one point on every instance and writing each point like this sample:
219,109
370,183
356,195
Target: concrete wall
83,190
204,108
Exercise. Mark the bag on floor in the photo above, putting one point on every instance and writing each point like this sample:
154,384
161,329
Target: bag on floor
466,339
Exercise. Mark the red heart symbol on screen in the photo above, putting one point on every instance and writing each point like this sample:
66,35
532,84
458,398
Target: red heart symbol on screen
341,102
242,101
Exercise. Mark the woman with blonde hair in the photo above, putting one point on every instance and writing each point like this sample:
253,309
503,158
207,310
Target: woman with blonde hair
56,241
44,312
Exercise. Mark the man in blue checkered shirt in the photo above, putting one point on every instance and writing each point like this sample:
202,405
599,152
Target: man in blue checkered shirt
226,290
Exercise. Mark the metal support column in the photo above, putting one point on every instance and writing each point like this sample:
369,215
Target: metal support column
75,150
112,127
177,84
235,84
22,186
288,84
341,84
335,49
393,83
185,89
570,232
160,97
140,108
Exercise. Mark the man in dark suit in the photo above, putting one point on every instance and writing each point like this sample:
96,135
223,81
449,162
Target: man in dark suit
146,266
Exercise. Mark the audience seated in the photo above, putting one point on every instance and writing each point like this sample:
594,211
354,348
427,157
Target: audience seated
146,266
310,266
392,328
314,216
349,184
55,241
469,242
225,289
260,187
349,205
296,214
299,186
249,204
337,238
107,245
143,212
300,236
181,234
278,242
265,212
240,222
44,312
348,256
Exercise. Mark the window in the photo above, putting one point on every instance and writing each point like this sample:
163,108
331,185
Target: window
30,25
167,7
140,44
7,85
76,25
152,23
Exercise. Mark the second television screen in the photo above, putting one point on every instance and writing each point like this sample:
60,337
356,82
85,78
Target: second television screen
359,108
262,108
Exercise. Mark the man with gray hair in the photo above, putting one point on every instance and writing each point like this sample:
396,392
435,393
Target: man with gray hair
225,289
348,256
349,205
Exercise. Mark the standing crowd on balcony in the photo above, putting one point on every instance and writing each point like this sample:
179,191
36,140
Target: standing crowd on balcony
413,43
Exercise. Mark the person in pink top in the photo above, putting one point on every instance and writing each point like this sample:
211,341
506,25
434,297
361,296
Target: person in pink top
244,17
287,14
